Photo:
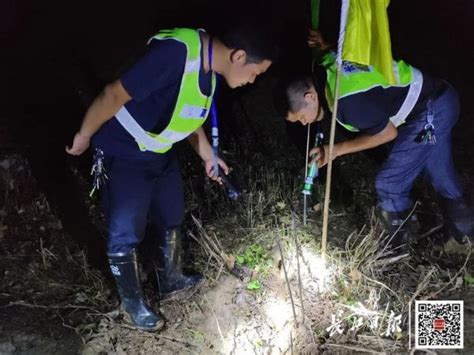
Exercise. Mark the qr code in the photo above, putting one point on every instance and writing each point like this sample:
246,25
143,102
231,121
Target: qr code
439,325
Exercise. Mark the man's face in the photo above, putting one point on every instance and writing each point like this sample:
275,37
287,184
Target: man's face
240,72
310,113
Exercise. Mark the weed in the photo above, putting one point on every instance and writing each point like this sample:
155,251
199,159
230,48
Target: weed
254,285
469,279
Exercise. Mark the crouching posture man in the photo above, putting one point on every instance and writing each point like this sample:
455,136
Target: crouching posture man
417,114
162,99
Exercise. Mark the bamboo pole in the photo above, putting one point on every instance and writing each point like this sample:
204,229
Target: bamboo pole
327,195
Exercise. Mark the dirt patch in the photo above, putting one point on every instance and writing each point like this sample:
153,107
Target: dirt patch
31,331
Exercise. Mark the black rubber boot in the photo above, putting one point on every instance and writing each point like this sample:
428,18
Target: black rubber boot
459,218
125,270
168,266
397,222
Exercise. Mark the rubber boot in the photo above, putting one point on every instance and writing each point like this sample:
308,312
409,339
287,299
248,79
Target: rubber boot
172,283
459,218
125,270
397,222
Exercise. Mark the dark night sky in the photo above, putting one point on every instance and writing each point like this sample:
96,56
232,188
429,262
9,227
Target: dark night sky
53,48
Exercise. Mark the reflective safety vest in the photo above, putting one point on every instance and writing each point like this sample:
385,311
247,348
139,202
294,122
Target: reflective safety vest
192,106
356,78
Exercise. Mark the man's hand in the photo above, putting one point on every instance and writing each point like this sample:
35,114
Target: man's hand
80,144
320,155
209,166
104,107
315,39
357,144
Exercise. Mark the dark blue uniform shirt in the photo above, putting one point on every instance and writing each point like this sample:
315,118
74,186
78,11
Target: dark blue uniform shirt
153,83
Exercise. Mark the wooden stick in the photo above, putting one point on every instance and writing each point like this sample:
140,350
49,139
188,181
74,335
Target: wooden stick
431,231
286,277
340,45
327,194
392,260
297,250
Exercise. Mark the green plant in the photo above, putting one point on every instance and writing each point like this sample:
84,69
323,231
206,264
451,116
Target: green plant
254,257
257,259
254,285
197,336
469,279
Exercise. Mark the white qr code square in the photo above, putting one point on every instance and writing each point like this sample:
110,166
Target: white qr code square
439,325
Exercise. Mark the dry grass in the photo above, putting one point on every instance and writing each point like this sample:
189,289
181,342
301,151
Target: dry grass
55,276
365,270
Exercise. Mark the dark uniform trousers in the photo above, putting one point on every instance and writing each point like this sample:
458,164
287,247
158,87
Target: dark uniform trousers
138,192
410,158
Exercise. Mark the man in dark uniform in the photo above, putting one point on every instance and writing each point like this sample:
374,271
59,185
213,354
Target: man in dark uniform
162,99
417,113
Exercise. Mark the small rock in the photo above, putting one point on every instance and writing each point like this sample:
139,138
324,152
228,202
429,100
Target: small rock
81,297
243,298
6,163
7,348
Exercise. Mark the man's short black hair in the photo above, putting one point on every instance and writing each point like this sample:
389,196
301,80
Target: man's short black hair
257,40
289,93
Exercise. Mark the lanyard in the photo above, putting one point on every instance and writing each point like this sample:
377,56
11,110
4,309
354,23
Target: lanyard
215,129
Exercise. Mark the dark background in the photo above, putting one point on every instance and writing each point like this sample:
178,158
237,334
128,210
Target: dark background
57,55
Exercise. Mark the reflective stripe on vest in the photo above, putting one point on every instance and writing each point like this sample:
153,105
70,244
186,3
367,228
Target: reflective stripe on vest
192,106
410,100
141,136
357,78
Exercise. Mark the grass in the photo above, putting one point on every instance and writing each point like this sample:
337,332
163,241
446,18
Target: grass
367,277
262,231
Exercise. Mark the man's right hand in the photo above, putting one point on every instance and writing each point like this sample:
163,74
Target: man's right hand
104,107
80,144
